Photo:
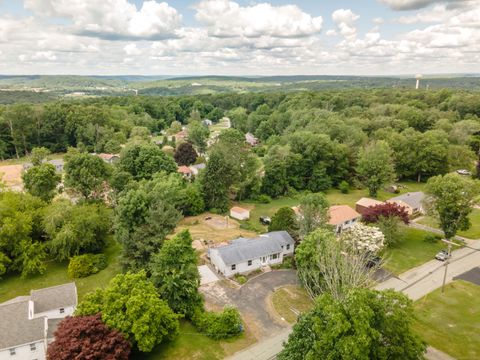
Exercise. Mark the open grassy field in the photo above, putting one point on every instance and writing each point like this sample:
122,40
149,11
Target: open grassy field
192,345
450,322
56,274
472,233
412,251
290,300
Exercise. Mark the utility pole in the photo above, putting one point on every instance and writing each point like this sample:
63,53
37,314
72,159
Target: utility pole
449,252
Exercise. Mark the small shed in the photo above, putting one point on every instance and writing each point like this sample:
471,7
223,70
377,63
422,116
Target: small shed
362,205
239,213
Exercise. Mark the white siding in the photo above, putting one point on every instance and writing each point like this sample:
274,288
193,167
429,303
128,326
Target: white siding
346,225
245,215
243,267
24,352
56,314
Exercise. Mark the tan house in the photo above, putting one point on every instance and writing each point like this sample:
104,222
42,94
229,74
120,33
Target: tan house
362,205
239,213
342,217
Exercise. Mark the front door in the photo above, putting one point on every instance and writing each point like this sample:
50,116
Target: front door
264,260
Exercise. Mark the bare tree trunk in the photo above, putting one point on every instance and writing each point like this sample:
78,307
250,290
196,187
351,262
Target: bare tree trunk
10,124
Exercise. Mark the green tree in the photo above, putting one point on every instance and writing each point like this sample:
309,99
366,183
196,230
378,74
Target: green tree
366,325
375,166
130,304
85,174
146,213
314,213
452,200
142,161
284,219
38,155
215,183
175,274
75,229
41,181
198,135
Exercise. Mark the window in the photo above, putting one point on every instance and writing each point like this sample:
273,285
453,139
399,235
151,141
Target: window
288,246
62,310
273,257
33,347
249,262
234,267
12,352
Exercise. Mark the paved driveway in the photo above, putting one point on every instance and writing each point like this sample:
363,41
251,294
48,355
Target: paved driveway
252,300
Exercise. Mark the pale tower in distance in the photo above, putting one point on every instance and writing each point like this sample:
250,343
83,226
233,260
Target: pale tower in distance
418,77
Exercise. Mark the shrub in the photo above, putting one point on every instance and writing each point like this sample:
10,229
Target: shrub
344,187
431,238
240,279
85,265
222,325
264,199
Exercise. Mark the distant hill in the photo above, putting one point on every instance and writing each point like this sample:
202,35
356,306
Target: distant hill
39,88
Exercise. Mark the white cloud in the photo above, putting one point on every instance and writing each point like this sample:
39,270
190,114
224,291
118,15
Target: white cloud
419,4
131,49
112,19
379,20
345,20
226,18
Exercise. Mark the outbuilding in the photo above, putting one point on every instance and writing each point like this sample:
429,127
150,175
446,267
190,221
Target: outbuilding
239,213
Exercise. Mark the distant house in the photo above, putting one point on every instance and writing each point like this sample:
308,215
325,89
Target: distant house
197,168
243,255
185,171
412,202
181,136
207,122
251,139
239,213
342,217
109,158
28,322
362,205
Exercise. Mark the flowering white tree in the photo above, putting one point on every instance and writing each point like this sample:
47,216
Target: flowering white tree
364,238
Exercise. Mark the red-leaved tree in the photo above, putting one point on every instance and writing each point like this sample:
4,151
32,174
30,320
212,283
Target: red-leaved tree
87,338
385,210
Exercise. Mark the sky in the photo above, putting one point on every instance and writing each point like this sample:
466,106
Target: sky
239,37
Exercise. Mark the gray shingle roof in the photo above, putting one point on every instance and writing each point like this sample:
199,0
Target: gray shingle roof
52,326
54,297
241,249
15,328
412,199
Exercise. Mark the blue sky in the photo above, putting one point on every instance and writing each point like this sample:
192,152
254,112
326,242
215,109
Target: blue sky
238,37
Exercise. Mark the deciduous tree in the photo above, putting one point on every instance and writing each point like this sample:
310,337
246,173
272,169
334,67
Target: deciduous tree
41,181
131,305
85,173
185,154
87,337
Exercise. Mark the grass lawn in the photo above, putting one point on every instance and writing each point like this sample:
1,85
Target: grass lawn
472,233
450,322
56,274
411,251
192,345
289,300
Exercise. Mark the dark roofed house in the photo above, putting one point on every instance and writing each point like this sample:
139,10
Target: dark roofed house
244,255
412,202
27,323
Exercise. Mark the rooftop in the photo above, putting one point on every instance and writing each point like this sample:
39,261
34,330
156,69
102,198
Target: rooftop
341,213
15,327
242,249
412,199
184,169
367,202
54,297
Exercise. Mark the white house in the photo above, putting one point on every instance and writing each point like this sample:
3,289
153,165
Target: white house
342,217
239,213
58,163
197,168
243,255
251,139
27,323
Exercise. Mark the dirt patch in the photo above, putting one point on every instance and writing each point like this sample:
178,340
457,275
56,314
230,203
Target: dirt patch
11,175
210,229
